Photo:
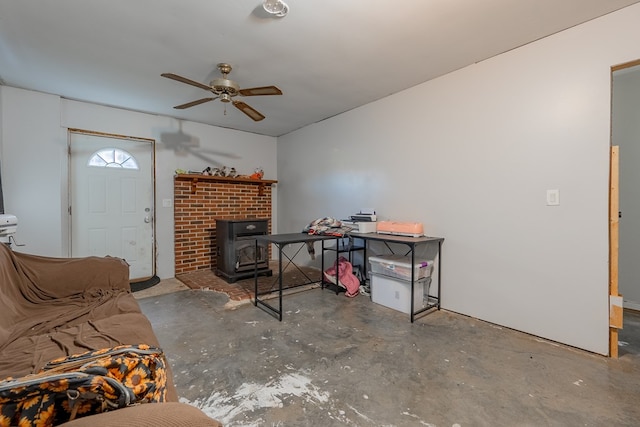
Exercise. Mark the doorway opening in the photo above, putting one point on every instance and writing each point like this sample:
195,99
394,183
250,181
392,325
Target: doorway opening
112,199
624,212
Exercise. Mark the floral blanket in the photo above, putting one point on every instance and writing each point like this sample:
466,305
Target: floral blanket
327,226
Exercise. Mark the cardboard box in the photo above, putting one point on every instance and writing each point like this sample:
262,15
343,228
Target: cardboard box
396,294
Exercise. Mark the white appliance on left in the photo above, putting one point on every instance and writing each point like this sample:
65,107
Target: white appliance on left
8,227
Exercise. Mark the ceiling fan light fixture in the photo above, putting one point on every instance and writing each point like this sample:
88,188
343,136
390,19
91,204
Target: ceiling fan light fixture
219,86
276,7
225,97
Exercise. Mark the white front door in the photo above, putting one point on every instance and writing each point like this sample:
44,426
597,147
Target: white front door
112,200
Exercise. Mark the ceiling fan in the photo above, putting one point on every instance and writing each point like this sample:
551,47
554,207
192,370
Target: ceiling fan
226,90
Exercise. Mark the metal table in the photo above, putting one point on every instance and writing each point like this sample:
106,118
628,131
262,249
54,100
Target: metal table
281,241
411,243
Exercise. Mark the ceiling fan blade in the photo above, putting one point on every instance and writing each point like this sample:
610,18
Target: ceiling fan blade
194,103
185,80
263,90
249,111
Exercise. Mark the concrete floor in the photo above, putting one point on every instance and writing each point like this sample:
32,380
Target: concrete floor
337,361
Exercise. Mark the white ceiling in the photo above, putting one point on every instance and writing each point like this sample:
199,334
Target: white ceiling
326,56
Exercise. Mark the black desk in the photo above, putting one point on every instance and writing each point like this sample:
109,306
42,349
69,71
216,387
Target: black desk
411,243
281,241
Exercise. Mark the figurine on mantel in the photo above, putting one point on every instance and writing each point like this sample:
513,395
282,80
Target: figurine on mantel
219,171
223,171
258,174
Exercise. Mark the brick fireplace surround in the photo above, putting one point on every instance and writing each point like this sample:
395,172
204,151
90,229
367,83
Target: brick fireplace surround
199,200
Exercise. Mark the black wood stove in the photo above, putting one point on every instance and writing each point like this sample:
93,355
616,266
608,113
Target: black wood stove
236,254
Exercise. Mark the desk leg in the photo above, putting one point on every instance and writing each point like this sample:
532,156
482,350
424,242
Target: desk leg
427,306
322,282
439,270
413,281
277,312
255,277
365,264
337,266
280,281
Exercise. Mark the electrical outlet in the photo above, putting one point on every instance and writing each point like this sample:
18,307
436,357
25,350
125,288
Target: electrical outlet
553,197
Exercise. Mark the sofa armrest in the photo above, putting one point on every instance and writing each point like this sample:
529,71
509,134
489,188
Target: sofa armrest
170,414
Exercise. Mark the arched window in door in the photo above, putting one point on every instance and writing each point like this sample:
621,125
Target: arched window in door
113,158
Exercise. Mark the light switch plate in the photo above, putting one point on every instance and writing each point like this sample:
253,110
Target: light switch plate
167,203
553,197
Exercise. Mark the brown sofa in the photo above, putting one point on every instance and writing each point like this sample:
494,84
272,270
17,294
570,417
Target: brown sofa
55,307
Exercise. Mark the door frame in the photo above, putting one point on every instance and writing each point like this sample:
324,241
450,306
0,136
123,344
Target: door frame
616,311
153,187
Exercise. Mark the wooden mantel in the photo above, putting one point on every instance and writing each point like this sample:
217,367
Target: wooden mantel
195,177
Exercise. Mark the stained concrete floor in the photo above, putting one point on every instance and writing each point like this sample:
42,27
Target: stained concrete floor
337,361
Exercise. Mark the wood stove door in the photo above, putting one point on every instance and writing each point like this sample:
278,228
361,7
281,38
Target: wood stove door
246,254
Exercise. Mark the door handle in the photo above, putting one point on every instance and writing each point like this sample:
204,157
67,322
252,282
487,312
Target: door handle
147,219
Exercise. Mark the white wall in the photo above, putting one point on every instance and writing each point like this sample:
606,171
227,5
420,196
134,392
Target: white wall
471,155
626,134
34,162
33,168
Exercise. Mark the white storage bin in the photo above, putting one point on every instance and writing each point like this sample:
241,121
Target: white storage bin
399,267
396,294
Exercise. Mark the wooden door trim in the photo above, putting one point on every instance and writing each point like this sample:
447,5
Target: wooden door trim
615,312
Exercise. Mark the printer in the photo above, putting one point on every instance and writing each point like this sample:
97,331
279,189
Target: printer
363,221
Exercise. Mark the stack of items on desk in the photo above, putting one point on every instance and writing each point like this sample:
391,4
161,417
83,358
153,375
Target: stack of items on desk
366,221
362,222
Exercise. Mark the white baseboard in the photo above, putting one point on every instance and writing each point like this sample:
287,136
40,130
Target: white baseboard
632,305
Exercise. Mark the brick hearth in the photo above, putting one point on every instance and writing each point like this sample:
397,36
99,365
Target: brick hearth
198,201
